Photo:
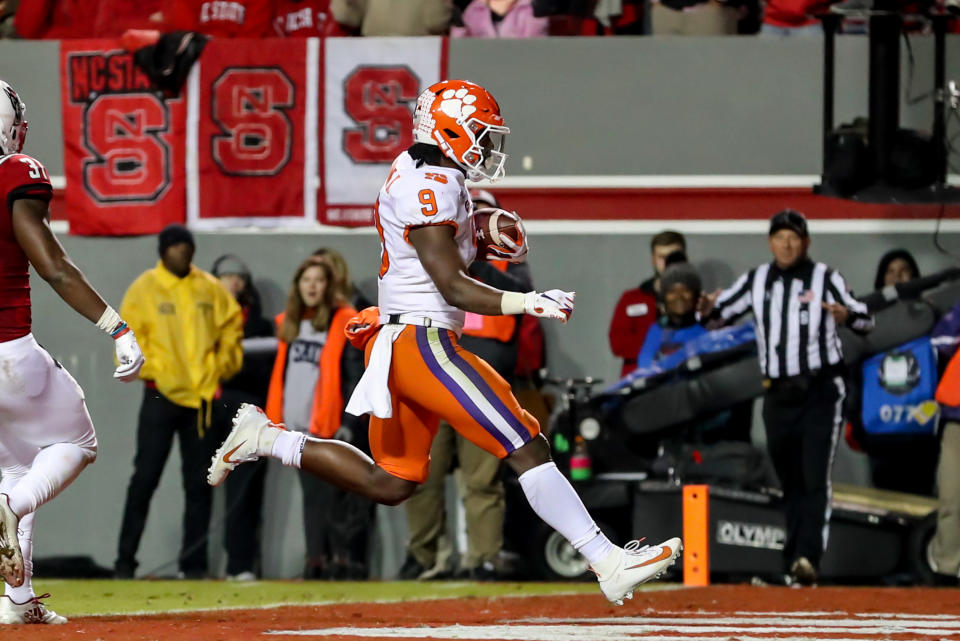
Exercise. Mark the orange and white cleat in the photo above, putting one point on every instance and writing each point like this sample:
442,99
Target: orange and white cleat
632,565
252,436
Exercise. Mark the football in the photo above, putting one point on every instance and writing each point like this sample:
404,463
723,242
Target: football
491,225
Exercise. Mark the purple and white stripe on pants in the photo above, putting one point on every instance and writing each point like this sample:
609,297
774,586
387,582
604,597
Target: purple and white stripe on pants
470,389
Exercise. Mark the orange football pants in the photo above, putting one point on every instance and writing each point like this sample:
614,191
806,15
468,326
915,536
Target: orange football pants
432,378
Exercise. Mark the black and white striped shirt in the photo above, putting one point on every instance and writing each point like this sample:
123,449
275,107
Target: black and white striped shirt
795,334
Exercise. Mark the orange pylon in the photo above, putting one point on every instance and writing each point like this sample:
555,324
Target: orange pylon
696,535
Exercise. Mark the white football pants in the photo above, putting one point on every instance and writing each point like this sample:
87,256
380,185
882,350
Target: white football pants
41,411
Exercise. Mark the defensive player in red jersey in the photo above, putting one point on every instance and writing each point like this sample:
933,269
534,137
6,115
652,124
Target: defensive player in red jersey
46,436
417,373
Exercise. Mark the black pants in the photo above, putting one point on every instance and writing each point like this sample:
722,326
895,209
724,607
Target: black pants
244,495
803,421
159,421
336,525
908,465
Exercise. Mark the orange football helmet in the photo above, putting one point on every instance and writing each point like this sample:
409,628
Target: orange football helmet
464,120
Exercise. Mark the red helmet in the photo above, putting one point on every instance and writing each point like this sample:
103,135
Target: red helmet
464,120
13,126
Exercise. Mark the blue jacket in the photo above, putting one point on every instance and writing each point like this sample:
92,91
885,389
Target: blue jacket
662,341
667,350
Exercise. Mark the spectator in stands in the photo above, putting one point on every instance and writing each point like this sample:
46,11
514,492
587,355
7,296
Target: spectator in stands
314,374
60,19
494,339
245,492
54,19
895,267
7,10
788,18
680,289
636,310
190,329
619,17
228,19
693,18
943,553
898,462
341,275
394,17
114,17
304,19
500,19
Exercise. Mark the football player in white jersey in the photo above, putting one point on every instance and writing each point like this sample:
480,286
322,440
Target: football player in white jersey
416,371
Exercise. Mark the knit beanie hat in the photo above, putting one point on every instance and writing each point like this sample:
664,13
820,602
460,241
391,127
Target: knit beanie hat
173,234
682,273
230,264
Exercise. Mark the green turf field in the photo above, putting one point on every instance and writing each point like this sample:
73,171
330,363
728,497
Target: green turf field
103,597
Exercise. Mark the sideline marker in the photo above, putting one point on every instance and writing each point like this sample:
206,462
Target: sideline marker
696,535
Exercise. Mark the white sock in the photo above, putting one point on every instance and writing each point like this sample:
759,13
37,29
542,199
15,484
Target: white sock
288,447
25,535
556,502
53,469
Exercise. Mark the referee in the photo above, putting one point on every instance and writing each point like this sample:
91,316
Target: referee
797,305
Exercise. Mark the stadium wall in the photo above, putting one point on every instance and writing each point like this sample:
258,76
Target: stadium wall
611,107
620,106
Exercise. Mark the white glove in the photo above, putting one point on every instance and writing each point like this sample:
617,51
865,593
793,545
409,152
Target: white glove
129,356
516,252
555,303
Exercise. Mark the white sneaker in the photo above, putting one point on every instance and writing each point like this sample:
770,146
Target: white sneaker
11,560
33,611
243,577
242,444
637,565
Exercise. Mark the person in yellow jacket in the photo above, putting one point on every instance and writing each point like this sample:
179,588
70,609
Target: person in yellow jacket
192,328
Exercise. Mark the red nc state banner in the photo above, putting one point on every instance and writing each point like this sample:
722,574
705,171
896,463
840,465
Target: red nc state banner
371,87
123,144
252,133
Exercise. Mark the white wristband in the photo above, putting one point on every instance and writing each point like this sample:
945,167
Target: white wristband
109,320
512,303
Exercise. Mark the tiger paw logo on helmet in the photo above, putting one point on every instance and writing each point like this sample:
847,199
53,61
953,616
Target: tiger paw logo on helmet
463,119
457,104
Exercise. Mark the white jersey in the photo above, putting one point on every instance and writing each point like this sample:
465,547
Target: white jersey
414,197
